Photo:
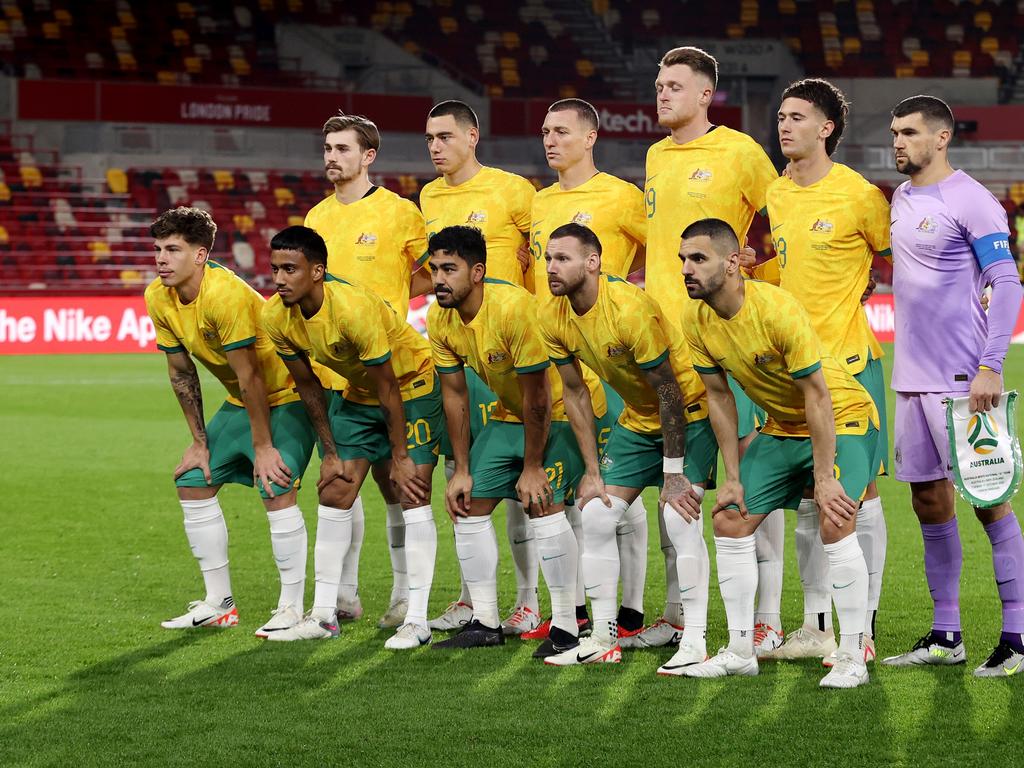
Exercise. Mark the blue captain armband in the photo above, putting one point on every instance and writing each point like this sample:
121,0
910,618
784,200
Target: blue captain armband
992,248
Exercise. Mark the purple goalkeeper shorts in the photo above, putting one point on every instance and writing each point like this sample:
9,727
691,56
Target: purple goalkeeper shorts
921,441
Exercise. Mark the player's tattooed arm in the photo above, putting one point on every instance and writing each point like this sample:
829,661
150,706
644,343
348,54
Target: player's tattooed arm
185,383
676,491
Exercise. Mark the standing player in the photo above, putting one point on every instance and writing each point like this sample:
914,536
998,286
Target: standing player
205,312
498,204
827,222
614,210
821,428
375,239
701,170
389,415
618,331
526,448
950,239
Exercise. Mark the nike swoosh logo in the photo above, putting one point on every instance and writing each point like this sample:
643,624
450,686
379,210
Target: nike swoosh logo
538,221
764,561
776,227
464,559
1012,670
200,622
687,589
650,178
552,557
1000,583
520,541
595,586
843,586
429,222
583,659
722,581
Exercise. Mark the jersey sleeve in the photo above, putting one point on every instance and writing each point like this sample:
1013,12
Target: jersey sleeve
642,332
234,315
366,328
521,205
757,173
791,330
415,236
273,326
550,326
986,228
166,341
522,337
634,215
874,224
445,360
703,361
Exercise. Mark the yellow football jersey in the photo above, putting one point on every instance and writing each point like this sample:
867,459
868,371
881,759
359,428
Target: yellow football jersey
612,208
825,236
768,344
495,202
723,175
353,330
378,242
224,316
623,335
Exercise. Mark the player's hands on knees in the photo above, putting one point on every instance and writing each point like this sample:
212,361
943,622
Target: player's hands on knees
678,493
268,467
410,486
730,495
986,389
458,494
533,488
332,468
591,487
196,456
833,502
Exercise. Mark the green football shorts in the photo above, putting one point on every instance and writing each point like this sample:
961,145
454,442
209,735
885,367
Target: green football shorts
872,378
633,460
229,436
749,417
496,460
360,431
775,470
481,401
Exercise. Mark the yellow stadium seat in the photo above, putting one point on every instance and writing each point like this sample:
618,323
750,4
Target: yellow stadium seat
990,45
186,11
295,220
62,16
131,276
163,77
224,180
851,45
919,58
829,31
51,30
1017,193
126,62
407,184
5,192
983,21
243,222
833,58
904,70
117,33
283,196
127,19
510,78
449,25
295,6
117,181
100,250
787,7
962,59
266,5
793,43
600,7
193,65
31,177
495,91
403,10
584,68
510,40
240,66
4,237
179,37
567,92
734,31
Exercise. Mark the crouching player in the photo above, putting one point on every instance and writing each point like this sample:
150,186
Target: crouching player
389,414
205,312
618,331
822,427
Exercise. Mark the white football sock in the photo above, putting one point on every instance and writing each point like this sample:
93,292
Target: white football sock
396,548
464,597
770,543
333,538
524,553
737,579
694,569
813,566
873,538
348,587
420,552
631,536
575,517
477,548
849,576
559,556
673,611
208,537
289,544
601,564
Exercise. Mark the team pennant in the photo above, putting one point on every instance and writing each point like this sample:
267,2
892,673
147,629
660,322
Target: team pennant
985,450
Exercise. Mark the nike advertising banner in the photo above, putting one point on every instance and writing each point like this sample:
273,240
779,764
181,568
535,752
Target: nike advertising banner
985,451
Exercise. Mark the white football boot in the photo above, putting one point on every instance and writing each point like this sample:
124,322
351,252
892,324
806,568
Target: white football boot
455,616
285,617
202,614
407,637
723,664
849,671
310,628
395,615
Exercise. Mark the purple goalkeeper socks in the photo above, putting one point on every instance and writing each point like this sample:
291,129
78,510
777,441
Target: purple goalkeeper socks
1008,563
943,559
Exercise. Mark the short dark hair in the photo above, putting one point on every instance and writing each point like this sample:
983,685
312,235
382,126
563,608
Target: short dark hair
303,239
828,99
697,59
584,110
719,231
460,110
194,225
365,129
584,234
465,242
932,109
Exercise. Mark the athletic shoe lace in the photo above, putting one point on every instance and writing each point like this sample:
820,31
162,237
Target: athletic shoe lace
1002,653
846,665
520,615
760,633
925,643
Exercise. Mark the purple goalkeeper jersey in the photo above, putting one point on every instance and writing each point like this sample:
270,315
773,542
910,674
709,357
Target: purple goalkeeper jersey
943,236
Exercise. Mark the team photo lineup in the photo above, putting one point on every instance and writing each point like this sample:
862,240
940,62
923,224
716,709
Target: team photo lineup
553,390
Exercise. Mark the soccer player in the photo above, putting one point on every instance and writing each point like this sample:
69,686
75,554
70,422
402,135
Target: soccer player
618,331
821,428
614,210
950,238
498,204
389,415
526,449
204,312
827,222
700,170
376,239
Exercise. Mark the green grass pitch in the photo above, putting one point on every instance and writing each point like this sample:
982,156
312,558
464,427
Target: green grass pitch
94,556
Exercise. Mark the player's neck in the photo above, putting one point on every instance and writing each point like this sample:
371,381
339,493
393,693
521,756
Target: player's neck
189,290
810,170
311,303
349,192
683,134
728,300
470,307
934,173
583,300
463,173
577,175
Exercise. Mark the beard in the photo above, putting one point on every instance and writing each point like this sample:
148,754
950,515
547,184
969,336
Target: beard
569,284
910,167
450,298
709,287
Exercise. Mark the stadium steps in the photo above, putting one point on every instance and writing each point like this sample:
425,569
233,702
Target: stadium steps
597,44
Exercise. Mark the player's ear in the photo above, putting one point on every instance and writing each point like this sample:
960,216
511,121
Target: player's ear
477,273
369,156
202,254
474,136
943,138
590,139
318,270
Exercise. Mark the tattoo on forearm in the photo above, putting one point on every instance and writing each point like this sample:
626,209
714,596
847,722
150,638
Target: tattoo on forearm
316,407
189,393
673,421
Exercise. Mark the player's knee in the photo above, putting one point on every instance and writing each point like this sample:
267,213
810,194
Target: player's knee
339,494
989,515
729,524
200,493
831,533
932,501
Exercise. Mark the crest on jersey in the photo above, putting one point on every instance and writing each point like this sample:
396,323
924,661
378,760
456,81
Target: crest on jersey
476,217
822,227
366,238
616,350
763,358
928,226
496,357
700,174
582,218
